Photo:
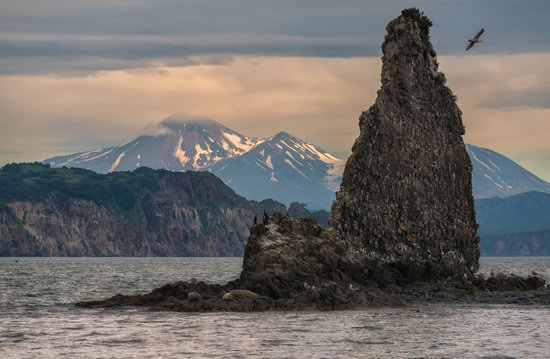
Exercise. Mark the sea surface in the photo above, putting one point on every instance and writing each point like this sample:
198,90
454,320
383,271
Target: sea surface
38,318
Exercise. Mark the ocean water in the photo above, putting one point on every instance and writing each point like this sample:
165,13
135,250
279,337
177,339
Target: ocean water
38,318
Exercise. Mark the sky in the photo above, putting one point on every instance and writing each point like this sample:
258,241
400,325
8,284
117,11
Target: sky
77,75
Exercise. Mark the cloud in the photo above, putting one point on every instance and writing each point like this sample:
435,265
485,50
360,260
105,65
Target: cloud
39,53
318,99
533,97
79,37
509,82
45,115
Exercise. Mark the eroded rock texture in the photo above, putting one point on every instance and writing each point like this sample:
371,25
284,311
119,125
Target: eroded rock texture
406,195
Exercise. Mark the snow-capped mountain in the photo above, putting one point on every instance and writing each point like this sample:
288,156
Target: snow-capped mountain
282,167
498,176
285,168
176,143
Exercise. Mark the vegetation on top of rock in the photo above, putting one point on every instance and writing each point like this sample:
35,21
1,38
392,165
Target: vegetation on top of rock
38,182
424,24
423,21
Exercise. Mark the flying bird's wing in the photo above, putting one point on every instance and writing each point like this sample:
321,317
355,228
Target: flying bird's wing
470,45
478,35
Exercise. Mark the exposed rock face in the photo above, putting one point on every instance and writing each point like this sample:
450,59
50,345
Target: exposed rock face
406,195
280,257
159,213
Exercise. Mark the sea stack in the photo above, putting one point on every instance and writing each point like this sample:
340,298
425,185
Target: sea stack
405,201
403,222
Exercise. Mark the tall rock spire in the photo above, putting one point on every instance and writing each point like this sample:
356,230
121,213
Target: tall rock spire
406,196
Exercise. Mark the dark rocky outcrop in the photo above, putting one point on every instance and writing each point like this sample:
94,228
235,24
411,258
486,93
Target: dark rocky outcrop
297,265
404,227
406,195
291,265
299,210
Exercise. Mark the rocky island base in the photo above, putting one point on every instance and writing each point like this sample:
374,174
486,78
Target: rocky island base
317,280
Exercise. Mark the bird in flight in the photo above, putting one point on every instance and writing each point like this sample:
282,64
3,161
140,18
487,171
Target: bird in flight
475,40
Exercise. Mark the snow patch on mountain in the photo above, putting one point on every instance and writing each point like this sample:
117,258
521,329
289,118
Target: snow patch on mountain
179,153
117,162
268,161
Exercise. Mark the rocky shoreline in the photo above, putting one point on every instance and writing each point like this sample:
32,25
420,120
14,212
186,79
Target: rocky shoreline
303,283
175,297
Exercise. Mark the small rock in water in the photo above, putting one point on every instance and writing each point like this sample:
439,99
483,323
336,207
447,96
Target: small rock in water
194,297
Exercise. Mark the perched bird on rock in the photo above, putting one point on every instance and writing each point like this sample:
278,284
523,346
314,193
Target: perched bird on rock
194,280
475,40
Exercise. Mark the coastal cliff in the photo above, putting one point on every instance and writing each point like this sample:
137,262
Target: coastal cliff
74,212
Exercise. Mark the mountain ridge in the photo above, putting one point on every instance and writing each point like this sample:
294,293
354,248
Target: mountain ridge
523,212
518,225
496,175
283,167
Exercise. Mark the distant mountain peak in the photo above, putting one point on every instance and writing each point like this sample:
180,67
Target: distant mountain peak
282,136
286,168
283,167
177,143
495,175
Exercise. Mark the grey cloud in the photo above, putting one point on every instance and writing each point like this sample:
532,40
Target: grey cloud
532,97
81,54
51,36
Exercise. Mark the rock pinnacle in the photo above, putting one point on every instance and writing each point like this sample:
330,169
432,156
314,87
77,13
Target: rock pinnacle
406,196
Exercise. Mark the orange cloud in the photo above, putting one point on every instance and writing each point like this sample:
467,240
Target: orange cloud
318,99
